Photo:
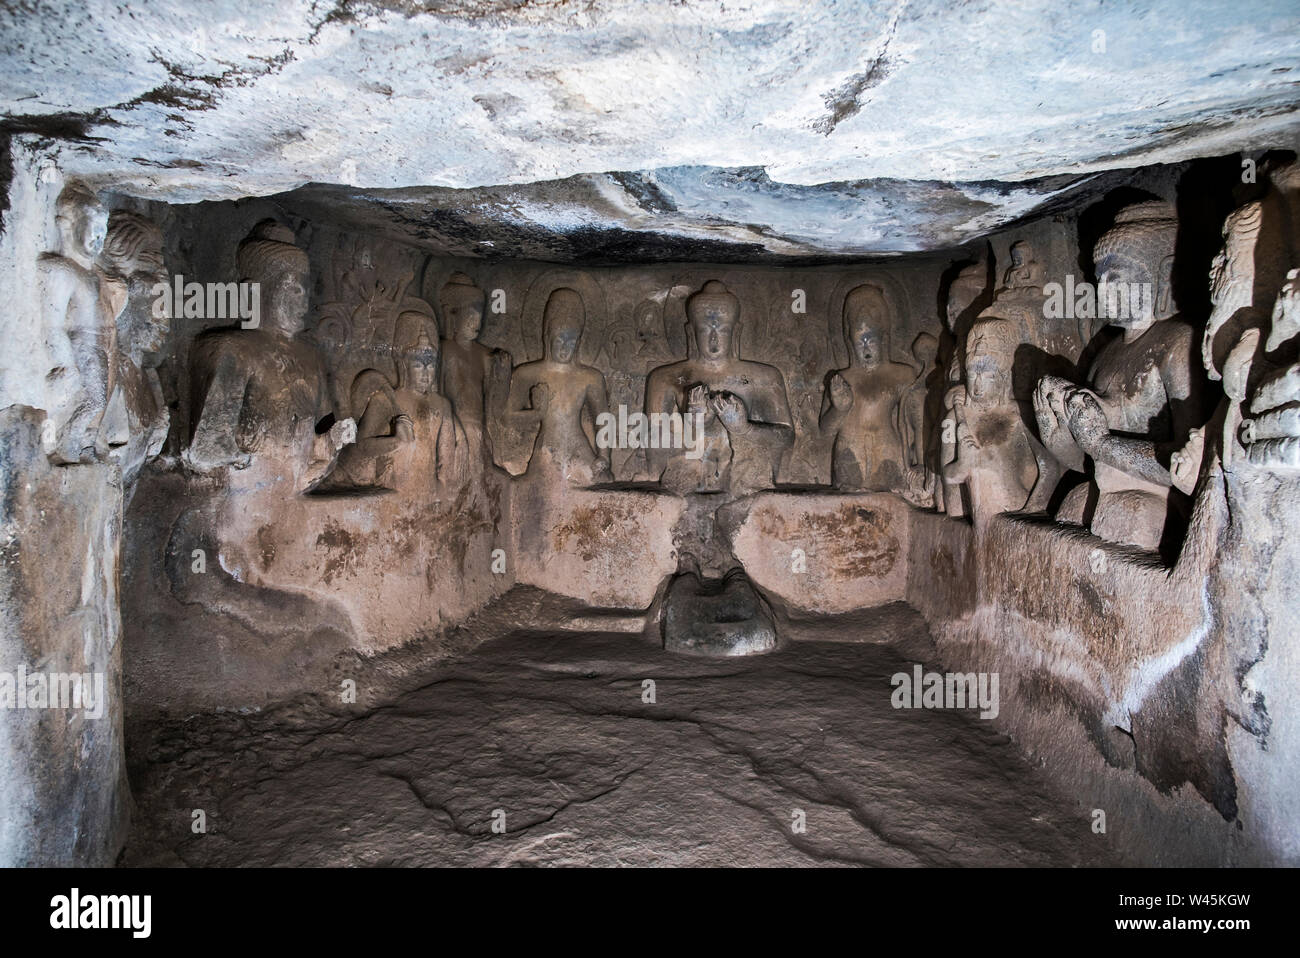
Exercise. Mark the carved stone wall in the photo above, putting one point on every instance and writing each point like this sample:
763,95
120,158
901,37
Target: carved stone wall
402,439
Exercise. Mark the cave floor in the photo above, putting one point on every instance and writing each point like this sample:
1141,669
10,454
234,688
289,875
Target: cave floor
552,731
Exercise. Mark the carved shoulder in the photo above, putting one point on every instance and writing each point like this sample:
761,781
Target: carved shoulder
766,376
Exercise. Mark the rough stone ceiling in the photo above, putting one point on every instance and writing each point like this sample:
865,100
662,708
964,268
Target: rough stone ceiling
786,128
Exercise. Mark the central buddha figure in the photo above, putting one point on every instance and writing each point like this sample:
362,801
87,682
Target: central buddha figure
745,410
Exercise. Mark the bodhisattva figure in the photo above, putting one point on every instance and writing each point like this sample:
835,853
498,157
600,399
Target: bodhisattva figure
473,376
82,319
996,456
556,391
1233,318
138,414
966,287
406,435
858,410
918,422
1271,432
258,394
1261,385
1143,399
743,405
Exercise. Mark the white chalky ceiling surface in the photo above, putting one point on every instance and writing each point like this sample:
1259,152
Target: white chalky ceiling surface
796,127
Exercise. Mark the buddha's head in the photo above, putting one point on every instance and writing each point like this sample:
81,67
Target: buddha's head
1134,261
866,326
925,350
990,349
462,308
965,288
714,313
270,258
563,321
82,222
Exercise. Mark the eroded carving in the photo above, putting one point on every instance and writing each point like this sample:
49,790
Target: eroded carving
995,452
137,419
859,408
743,405
562,397
79,312
1141,401
261,393
1271,434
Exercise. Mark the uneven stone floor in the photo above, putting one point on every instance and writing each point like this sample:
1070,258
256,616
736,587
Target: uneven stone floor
552,730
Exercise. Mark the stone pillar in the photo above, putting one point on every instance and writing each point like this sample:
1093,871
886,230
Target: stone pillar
63,791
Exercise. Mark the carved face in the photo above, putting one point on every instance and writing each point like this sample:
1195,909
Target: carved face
646,331
288,301
1218,276
1128,282
84,229
465,320
714,326
925,352
865,339
421,370
563,321
988,373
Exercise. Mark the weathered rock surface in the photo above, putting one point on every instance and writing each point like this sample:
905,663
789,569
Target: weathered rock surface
861,115
554,732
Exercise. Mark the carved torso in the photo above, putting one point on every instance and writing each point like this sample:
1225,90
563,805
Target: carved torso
760,386
867,449
1129,379
464,370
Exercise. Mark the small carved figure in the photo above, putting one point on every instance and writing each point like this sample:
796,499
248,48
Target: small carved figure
1232,286
995,451
407,435
473,376
918,420
82,322
858,411
966,287
137,416
1025,272
557,391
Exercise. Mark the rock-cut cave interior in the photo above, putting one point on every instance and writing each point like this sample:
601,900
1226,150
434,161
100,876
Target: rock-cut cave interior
649,433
